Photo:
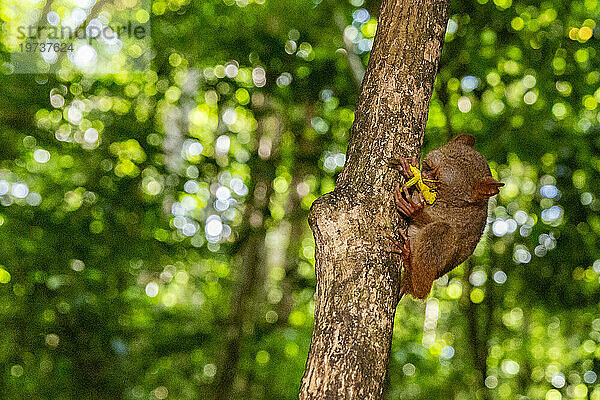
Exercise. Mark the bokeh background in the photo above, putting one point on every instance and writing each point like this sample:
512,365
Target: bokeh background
153,226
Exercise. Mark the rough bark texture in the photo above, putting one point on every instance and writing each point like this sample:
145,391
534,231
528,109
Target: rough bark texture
358,280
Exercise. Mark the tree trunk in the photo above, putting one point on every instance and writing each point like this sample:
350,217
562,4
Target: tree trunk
358,280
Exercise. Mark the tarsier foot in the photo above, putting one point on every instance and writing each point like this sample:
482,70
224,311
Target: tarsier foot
403,165
400,247
406,204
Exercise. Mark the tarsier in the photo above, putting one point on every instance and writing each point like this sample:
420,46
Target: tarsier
447,205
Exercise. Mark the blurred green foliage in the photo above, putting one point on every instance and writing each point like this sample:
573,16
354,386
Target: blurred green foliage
153,235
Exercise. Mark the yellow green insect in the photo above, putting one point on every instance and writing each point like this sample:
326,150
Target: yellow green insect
429,193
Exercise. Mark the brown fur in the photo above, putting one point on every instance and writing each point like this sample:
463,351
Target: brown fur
443,235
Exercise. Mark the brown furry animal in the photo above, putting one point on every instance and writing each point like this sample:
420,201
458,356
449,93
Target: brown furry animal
443,235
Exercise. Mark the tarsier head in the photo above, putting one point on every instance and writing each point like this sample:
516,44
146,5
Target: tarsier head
461,172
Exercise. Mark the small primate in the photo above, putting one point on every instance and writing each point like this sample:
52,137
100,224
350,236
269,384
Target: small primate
447,219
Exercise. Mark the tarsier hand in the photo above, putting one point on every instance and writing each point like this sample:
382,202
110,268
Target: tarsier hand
403,165
406,204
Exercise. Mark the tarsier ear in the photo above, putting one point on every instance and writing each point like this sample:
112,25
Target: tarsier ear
487,187
467,140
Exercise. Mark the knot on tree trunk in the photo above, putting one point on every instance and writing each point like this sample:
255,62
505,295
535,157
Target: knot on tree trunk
350,230
336,218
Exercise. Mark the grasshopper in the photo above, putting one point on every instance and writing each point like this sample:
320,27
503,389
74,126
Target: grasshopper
429,193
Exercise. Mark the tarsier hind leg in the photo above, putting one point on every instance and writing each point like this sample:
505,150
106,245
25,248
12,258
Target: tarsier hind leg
432,251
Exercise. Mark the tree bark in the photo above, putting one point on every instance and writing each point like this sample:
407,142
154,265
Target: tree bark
358,279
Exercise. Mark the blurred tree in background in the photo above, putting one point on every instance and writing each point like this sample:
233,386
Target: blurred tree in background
153,235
